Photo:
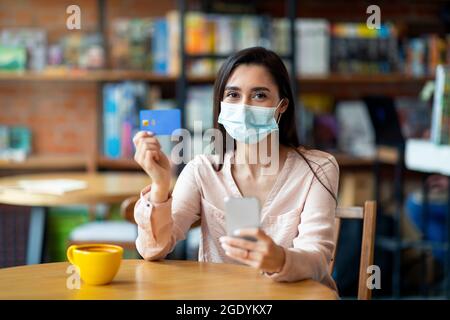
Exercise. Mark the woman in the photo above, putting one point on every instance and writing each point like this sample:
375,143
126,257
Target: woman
295,240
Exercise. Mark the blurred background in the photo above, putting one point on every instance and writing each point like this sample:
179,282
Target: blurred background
369,91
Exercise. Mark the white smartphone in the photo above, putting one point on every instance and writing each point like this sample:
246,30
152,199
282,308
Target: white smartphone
241,213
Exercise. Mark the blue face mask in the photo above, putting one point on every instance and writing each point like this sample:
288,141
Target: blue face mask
248,124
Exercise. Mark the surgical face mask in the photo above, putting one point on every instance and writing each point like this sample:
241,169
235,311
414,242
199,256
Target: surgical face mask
248,124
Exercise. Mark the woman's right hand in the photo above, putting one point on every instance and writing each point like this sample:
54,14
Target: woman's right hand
155,163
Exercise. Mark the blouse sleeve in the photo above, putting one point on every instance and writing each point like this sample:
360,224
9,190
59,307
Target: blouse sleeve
162,225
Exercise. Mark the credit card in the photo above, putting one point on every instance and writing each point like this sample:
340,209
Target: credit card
160,122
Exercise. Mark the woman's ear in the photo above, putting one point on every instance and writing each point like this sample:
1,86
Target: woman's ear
284,105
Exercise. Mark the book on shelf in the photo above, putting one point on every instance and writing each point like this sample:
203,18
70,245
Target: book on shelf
149,43
173,47
200,33
160,46
356,49
121,105
325,131
313,46
415,57
279,35
436,52
199,108
31,51
15,143
318,120
414,116
131,43
221,34
425,53
33,43
77,51
440,123
223,37
12,59
356,134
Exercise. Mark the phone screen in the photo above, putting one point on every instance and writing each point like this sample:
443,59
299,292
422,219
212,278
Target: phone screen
241,213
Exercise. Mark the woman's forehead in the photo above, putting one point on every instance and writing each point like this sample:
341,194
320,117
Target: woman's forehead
249,76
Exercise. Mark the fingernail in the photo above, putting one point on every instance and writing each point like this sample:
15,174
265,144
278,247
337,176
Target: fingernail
237,232
150,133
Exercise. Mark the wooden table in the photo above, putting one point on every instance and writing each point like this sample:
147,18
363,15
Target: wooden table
167,279
101,188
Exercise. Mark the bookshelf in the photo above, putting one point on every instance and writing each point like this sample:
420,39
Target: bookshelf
332,84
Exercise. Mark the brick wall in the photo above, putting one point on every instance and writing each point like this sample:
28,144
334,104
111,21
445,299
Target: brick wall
60,115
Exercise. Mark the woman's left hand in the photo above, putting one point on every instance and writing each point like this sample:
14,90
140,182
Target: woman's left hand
262,254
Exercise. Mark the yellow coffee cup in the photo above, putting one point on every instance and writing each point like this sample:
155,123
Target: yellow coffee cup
98,263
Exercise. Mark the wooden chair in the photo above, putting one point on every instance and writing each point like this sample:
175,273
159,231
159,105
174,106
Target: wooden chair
368,215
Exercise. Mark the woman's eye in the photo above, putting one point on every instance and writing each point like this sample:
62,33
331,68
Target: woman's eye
232,95
260,96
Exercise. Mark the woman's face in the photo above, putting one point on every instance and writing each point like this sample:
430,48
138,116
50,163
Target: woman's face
253,85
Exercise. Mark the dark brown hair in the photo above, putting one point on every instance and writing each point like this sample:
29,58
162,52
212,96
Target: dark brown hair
274,65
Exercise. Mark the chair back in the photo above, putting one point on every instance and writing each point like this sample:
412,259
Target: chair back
368,215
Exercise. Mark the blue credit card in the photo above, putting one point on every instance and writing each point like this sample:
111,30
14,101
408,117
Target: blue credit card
160,122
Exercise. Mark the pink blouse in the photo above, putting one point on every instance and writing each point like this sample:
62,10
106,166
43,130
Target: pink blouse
298,214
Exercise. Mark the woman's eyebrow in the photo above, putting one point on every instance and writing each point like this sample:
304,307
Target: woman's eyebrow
232,88
253,89
260,89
